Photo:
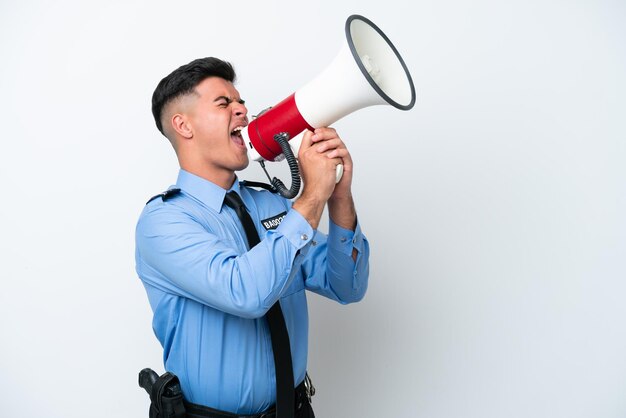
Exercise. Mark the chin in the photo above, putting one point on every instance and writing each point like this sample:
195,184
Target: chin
243,165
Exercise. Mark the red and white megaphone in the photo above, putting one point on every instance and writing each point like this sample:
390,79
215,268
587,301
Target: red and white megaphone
367,71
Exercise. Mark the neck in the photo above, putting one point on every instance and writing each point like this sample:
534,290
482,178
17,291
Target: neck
223,179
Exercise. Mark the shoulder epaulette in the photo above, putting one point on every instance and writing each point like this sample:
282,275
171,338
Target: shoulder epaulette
265,186
165,195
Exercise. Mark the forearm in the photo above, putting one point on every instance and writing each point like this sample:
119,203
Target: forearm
311,208
331,268
342,211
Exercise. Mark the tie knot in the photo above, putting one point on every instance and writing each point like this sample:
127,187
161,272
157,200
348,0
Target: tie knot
233,200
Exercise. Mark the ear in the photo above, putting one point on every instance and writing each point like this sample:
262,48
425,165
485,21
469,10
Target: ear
180,123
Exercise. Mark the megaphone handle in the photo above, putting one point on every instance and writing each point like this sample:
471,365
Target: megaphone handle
339,173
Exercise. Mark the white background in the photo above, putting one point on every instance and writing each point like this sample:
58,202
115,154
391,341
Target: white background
495,207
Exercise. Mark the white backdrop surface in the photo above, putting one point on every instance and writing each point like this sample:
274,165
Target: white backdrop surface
495,208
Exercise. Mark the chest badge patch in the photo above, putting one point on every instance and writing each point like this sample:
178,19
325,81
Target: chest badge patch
274,221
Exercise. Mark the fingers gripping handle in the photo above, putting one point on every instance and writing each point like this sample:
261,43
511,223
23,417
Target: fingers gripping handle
282,139
296,142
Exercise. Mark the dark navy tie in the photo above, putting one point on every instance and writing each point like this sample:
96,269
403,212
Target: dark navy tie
285,397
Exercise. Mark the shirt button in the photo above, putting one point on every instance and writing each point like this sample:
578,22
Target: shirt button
343,239
304,237
314,243
354,240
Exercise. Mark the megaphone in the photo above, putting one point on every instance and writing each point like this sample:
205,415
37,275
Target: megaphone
367,71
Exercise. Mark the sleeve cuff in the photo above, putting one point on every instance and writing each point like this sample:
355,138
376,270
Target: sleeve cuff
296,229
345,240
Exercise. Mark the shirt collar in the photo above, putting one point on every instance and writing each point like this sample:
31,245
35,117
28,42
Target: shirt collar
208,193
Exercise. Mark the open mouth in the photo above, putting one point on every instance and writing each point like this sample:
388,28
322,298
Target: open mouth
235,135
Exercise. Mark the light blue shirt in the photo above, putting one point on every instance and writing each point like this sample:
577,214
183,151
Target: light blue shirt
209,292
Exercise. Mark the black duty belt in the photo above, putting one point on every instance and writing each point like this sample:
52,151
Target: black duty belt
302,401
167,399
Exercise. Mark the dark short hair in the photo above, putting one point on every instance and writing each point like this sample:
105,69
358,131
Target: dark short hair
184,80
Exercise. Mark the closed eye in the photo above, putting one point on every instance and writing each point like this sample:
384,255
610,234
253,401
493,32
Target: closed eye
223,101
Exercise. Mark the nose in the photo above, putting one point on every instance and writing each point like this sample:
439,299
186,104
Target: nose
239,109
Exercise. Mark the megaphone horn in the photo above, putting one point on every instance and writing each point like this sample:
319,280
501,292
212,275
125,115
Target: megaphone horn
367,71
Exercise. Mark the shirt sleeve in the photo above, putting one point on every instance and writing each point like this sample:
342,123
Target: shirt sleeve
330,270
178,255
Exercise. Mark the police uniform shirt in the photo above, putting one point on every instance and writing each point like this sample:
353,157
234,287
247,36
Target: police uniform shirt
209,292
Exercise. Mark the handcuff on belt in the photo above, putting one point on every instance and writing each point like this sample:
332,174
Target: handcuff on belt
309,389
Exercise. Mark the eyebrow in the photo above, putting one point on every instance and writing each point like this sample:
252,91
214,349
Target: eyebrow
228,100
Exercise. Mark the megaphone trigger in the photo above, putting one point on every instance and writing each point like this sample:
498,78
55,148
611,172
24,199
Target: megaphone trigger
339,173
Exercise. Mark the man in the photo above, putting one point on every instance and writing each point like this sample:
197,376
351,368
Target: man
208,290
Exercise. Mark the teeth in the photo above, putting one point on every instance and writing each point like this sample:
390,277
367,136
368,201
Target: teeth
237,130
